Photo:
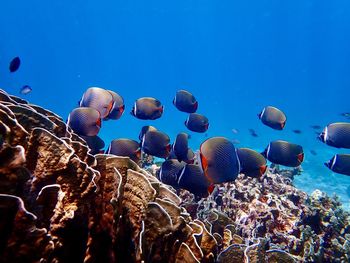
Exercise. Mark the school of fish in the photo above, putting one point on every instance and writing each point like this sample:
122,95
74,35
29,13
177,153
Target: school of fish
217,160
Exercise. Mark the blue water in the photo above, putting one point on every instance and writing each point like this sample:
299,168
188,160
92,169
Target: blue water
235,56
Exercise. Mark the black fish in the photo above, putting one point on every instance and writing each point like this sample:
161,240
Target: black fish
313,152
172,155
170,171
180,146
252,163
253,133
14,64
185,101
125,147
284,153
118,107
156,143
193,180
197,123
345,114
218,160
297,131
340,163
99,99
145,129
85,121
336,134
95,143
190,156
273,117
147,108
316,127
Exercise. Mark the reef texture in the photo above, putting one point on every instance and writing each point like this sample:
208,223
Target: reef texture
59,203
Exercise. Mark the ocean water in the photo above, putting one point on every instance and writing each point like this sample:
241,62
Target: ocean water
235,56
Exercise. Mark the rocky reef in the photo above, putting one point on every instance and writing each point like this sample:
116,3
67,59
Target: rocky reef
60,203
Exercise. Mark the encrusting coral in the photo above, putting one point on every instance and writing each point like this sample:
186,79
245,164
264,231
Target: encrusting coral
60,203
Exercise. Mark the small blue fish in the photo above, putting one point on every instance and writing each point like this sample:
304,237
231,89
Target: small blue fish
25,90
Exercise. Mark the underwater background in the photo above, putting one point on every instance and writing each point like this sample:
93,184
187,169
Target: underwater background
236,57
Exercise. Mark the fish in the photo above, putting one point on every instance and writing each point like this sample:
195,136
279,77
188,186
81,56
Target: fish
218,159
145,129
313,152
273,118
253,133
197,123
170,171
180,146
192,179
297,131
172,155
284,153
95,143
118,107
316,127
340,163
14,64
252,163
147,108
190,158
345,114
156,143
185,101
25,90
99,99
336,135
85,121
234,131
125,147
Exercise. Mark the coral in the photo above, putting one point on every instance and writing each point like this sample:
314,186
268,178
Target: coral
296,227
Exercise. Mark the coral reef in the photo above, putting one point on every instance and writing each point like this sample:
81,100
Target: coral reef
270,215
60,203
